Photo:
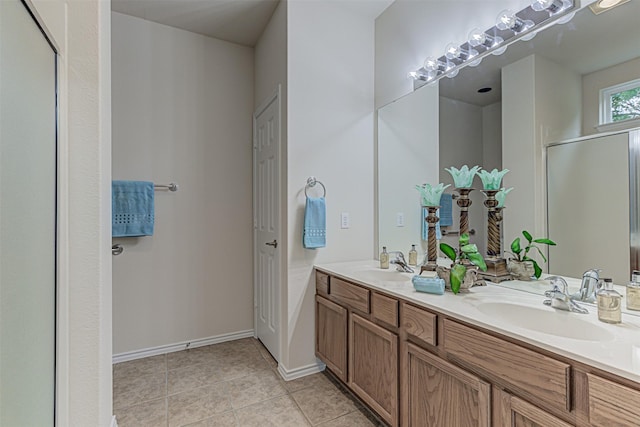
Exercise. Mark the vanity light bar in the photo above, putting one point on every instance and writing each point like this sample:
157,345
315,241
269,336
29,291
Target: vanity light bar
509,28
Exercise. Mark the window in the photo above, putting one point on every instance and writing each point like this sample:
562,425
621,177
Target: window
620,102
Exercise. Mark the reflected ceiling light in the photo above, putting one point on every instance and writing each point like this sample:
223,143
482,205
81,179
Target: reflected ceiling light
552,6
508,20
509,28
477,38
603,5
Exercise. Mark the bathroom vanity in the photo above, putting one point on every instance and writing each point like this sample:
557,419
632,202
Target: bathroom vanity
492,357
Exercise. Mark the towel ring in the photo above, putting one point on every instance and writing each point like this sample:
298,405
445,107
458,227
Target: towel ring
311,182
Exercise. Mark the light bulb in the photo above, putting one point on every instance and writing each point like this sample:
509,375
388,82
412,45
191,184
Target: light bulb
568,17
551,6
452,51
529,36
507,20
477,37
475,62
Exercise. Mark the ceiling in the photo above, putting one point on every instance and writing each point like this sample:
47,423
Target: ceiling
236,21
586,44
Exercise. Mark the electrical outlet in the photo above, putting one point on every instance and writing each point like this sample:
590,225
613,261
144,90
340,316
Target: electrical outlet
400,219
345,220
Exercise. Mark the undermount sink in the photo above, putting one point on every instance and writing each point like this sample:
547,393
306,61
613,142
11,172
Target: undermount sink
385,275
551,322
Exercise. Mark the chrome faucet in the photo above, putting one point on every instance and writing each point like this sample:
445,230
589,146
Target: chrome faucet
559,296
400,262
589,286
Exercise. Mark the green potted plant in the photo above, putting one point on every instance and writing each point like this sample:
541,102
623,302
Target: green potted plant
460,277
523,266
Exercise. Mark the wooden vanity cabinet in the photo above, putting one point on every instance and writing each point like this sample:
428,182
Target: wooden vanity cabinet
373,366
441,394
331,336
511,411
442,371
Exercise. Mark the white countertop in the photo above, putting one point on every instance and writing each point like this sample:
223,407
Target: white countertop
618,352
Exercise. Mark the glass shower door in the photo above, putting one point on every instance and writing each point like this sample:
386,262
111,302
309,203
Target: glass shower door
27,220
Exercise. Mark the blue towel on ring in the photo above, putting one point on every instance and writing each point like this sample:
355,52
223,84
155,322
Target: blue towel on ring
446,210
314,234
425,225
132,208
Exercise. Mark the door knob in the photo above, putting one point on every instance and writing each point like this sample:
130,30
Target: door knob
274,243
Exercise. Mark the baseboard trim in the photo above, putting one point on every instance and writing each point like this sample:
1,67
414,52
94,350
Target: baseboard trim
170,348
292,374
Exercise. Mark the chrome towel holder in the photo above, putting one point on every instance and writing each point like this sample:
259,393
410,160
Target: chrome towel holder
172,186
311,182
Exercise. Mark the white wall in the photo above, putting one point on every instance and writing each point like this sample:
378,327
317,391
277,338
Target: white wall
492,136
593,82
407,156
460,144
330,134
81,33
182,106
539,99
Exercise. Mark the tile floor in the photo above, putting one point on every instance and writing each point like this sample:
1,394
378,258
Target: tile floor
228,384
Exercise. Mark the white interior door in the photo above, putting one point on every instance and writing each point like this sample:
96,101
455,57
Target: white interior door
266,223
27,220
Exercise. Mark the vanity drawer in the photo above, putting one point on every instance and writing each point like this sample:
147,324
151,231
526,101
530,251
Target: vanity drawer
385,309
533,373
349,294
322,283
419,323
612,404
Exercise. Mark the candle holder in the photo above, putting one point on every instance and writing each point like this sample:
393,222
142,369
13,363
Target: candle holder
432,254
496,265
464,202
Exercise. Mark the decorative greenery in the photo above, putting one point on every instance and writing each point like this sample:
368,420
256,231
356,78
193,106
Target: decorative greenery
522,254
463,177
502,195
431,195
491,180
458,269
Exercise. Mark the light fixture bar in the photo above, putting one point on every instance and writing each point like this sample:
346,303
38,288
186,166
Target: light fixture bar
509,28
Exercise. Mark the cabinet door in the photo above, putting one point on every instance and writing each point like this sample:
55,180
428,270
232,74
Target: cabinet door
331,336
511,411
441,394
373,366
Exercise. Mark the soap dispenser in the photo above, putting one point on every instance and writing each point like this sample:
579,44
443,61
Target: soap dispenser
609,303
413,256
384,258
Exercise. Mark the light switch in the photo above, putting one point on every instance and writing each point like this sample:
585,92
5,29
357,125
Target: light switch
400,219
345,220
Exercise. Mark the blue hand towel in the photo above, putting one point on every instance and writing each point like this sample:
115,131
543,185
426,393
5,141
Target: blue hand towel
431,285
314,234
446,210
132,208
425,226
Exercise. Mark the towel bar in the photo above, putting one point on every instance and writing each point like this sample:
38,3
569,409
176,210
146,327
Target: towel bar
171,186
116,249
456,232
311,182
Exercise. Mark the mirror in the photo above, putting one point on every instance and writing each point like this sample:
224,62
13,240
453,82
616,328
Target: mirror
597,48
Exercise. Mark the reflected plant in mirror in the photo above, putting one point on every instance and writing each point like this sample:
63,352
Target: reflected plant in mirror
463,177
492,180
523,266
501,196
431,195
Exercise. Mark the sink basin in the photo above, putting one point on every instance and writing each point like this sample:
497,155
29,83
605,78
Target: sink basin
385,275
547,321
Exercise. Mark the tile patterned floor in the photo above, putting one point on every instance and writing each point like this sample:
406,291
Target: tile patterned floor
228,384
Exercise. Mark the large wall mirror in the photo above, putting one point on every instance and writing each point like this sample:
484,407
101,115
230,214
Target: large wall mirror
460,121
